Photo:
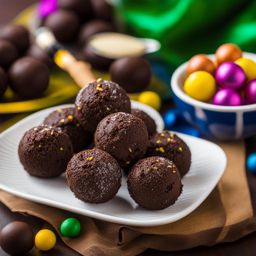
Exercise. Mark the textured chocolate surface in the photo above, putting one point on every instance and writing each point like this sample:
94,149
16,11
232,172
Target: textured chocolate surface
169,145
45,151
122,135
65,119
3,82
99,99
149,122
8,53
28,77
154,183
94,176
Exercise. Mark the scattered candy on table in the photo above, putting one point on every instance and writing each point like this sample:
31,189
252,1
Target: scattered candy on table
251,162
70,227
150,98
170,118
45,240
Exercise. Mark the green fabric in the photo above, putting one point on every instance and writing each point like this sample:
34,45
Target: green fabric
188,27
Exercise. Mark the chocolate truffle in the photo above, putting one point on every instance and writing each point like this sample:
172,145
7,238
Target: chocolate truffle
133,74
64,24
8,53
93,27
16,34
17,238
29,78
99,99
65,119
3,82
154,183
94,176
149,122
169,145
45,151
123,136
102,10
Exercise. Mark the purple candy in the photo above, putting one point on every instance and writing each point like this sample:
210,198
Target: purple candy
46,7
250,92
227,97
230,75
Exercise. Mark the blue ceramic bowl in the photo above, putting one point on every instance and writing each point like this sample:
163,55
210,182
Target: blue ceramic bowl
215,122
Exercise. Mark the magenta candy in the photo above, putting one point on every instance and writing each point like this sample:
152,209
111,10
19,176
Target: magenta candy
250,92
230,75
46,7
227,97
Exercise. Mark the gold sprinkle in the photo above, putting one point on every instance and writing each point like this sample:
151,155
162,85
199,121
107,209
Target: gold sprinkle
61,148
180,149
130,150
35,129
155,168
128,162
158,141
99,87
77,125
59,110
108,109
90,158
51,132
162,135
172,135
160,149
70,118
173,171
99,80
78,108
170,166
62,121
39,145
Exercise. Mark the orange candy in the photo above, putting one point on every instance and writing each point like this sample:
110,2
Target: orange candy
228,52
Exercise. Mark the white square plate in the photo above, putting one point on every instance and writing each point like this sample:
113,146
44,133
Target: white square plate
208,165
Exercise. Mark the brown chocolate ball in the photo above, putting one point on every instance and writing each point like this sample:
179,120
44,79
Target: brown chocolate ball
123,136
228,52
102,10
200,62
18,35
8,53
99,99
154,183
133,74
17,238
94,176
64,24
65,119
29,78
45,151
149,122
3,82
169,145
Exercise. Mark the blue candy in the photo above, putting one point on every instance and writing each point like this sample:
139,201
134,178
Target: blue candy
251,162
170,118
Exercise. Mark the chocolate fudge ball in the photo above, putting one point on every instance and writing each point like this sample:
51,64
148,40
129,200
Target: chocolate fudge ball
154,183
8,53
99,99
29,78
149,122
64,25
94,176
169,145
102,10
18,35
65,119
123,136
45,151
133,74
3,82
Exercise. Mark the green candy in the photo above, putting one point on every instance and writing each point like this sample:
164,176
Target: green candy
70,227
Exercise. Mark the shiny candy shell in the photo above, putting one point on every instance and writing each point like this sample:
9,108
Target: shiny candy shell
251,162
248,66
70,227
250,92
151,99
45,240
200,85
170,118
227,97
228,52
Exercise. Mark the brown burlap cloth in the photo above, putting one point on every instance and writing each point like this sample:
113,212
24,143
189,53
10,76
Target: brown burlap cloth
225,215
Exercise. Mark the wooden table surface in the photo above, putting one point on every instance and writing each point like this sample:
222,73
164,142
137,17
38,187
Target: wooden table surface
245,246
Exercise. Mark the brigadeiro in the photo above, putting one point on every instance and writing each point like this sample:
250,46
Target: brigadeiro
65,119
123,136
169,145
18,35
99,99
17,238
3,82
133,74
45,151
149,122
8,53
102,10
64,24
154,183
28,77
94,176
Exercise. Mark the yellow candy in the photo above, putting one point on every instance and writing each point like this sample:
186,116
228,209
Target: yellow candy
200,85
150,98
248,66
45,240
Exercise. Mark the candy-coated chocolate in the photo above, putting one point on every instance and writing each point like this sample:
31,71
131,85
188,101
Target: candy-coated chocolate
227,97
45,240
200,62
250,92
70,227
228,52
251,162
170,118
17,238
200,85
248,66
230,75
150,98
